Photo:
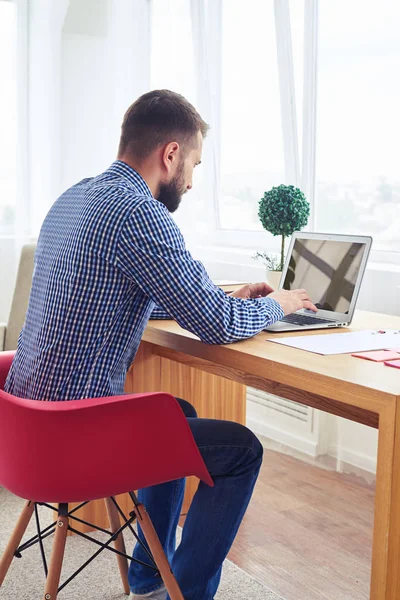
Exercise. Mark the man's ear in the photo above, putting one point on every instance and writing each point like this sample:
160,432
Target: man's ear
170,155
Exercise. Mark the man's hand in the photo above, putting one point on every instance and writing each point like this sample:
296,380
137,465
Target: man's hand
292,300
252,290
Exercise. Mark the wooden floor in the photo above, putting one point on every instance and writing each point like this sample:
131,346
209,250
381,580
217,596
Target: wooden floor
307,534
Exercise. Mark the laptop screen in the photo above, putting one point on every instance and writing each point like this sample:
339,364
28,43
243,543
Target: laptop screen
327,269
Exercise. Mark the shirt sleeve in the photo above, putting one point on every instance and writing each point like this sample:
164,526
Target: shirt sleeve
152,253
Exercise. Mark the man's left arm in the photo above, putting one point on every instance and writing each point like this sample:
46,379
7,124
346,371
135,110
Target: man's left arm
152,253
249,290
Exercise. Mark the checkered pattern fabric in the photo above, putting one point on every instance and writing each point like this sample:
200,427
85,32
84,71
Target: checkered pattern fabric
107,254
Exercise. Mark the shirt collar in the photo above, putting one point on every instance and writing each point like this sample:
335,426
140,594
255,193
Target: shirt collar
134,179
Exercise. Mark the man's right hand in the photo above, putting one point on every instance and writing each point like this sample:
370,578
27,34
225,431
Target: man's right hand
292,300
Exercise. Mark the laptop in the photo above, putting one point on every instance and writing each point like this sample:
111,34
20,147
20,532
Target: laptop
330,268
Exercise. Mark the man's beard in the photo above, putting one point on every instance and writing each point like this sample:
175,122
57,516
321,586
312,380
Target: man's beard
170,194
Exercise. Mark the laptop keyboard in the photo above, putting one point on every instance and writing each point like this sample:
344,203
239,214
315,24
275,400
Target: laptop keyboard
295,319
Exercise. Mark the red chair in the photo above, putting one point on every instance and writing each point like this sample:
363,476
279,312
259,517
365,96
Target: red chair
40,441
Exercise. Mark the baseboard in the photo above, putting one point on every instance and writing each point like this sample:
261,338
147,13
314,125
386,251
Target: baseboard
348,459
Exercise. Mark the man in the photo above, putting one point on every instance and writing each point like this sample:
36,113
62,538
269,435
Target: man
107,254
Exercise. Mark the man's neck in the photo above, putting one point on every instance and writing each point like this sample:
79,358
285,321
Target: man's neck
146,170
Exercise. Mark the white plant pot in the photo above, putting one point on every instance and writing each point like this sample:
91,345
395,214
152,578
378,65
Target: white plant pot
273,278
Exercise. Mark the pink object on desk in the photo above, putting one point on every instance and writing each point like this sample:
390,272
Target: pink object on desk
392,363
378,355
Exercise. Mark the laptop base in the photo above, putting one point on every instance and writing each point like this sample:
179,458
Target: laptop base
281,327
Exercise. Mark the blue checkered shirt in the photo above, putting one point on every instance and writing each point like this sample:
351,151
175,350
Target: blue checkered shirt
108,256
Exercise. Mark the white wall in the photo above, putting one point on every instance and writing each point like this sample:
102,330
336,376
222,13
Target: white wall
354,444
380,291
87,146
104,68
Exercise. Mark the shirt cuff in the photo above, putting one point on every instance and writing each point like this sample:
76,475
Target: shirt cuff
275,310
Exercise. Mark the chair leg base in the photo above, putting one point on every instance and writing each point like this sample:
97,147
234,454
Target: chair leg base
61,531
15,539
57,555
158,553
119,543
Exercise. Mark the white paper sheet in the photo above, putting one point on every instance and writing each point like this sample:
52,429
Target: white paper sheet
343,343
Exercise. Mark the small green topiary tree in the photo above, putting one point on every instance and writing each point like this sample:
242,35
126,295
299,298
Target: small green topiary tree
283,210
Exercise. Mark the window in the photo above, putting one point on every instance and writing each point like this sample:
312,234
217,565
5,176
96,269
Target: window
358,181
251,135
252,153
357,186
8,117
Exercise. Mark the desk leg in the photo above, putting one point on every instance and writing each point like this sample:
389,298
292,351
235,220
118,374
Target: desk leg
385,575
213,397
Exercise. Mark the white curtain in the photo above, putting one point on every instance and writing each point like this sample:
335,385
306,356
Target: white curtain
206,17
310,104
287,92
46,19
129,47
186,58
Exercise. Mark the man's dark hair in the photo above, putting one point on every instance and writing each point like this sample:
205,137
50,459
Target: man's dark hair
156,118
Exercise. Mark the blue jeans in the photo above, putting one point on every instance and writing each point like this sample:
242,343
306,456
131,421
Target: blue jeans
233,457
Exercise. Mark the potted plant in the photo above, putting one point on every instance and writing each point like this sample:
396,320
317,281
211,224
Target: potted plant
272,263
283,210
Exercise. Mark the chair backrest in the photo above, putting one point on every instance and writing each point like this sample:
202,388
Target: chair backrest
94,448
20,298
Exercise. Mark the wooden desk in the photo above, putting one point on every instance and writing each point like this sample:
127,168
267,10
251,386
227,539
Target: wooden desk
213,378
